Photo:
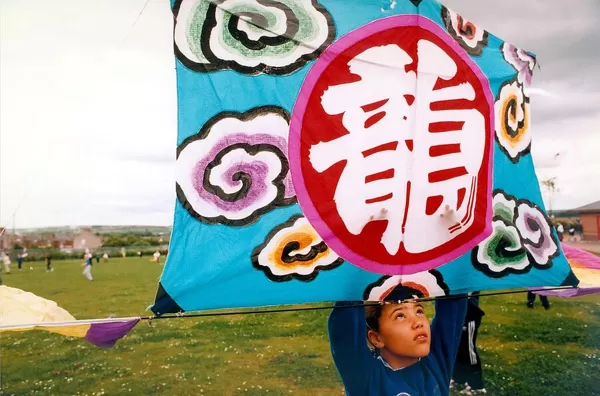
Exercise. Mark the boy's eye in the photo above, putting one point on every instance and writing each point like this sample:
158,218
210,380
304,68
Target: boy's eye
420,312
400,316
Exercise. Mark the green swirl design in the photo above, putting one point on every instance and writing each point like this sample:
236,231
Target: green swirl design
502,250
251,36
521,239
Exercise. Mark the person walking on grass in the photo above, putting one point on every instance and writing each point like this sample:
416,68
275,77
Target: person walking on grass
20,257
87,269
49,263
6,262
531,300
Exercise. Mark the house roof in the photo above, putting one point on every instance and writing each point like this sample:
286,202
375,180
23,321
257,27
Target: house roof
593,207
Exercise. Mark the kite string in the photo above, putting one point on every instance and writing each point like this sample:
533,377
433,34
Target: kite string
135,22
265,311
363,304
14,213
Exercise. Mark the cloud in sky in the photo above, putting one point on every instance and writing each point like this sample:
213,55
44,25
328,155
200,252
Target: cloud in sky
88,104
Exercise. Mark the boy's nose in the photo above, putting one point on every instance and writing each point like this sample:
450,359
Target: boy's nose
417,323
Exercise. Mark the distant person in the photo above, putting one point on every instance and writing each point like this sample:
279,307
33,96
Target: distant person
467,369
578,231
531,300
140,254
156,256
87,269
97,258
572,234
123,253
49,263
105,257
6,262
20,258
560,230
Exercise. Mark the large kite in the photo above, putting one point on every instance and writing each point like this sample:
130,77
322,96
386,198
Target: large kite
335,149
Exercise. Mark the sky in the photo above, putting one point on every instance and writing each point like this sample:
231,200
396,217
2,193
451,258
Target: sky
88,111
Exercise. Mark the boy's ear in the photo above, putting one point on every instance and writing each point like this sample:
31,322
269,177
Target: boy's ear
375,339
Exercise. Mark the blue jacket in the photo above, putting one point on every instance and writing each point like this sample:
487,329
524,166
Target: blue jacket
365,374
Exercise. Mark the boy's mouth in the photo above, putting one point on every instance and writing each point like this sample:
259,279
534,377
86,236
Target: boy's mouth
421,337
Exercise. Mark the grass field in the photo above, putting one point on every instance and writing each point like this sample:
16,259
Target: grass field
525,352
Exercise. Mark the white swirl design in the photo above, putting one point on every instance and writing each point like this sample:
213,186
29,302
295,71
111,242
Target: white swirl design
512,120
400,287
468,35
294,250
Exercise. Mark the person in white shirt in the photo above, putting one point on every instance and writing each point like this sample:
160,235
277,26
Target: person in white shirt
87,269
560,230
6,262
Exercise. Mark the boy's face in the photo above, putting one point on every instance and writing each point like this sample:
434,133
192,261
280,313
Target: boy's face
404,330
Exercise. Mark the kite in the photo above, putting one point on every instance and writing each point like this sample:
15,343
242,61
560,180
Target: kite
334,150
22,311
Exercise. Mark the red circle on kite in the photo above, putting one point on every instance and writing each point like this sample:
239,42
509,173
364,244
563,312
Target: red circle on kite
391,147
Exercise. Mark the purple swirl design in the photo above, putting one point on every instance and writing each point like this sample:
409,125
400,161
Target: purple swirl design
236,168
534,227
521,61
256,170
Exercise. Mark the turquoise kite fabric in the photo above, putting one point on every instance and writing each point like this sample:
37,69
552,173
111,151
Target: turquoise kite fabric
340,149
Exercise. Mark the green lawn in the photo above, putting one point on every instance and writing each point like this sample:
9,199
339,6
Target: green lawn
525,352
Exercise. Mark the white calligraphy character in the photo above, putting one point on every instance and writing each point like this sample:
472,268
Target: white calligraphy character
395,159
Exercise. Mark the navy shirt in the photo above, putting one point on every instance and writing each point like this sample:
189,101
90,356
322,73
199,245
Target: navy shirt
365,374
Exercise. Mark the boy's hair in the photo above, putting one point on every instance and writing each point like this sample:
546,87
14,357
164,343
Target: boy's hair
399,293
372,315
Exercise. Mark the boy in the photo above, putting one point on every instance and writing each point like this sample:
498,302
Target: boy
409,358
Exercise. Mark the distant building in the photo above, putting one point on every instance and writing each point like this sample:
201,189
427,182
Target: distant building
590,220
62,242
87,239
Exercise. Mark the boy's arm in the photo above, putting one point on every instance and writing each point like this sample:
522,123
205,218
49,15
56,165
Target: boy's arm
446,331
348,340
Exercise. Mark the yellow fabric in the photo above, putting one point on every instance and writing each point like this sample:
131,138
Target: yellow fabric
18,307
587,277
69,331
